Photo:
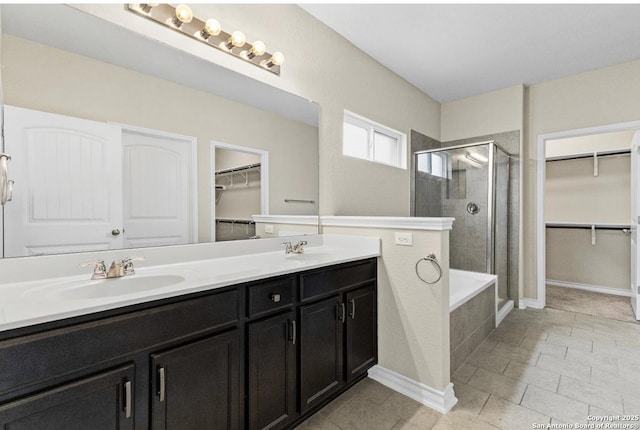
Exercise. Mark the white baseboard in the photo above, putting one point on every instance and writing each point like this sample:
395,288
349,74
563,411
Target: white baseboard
441,401
593,288
503,312
525,303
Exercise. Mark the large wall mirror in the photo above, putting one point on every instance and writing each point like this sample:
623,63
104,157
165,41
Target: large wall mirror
119,141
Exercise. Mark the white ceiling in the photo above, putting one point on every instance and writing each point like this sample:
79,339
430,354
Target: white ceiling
453,51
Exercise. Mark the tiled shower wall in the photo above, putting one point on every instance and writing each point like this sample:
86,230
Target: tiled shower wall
467,239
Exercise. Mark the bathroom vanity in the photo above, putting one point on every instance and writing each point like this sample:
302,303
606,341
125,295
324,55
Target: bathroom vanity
264,353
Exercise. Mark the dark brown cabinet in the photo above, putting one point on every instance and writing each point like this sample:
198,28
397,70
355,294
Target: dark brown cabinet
100,402
272,376
320,350
256,356
197,386
361,331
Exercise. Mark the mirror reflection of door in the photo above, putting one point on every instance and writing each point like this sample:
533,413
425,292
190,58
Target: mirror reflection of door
238,173
89,186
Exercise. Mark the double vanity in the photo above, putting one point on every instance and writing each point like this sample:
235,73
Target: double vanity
249,341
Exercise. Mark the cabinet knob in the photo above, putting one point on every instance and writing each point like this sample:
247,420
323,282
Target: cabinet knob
275,298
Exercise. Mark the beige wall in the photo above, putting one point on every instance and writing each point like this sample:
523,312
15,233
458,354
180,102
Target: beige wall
324,67
81,87
489,113
413,317
572,258
573,194
600,97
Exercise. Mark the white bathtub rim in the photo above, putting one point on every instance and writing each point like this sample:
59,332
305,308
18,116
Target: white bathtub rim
485,278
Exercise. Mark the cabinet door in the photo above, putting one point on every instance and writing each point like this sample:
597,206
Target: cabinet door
272,372
320,350
361,328
101,402
197,386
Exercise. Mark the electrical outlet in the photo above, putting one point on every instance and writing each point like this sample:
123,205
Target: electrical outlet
404,239
268,228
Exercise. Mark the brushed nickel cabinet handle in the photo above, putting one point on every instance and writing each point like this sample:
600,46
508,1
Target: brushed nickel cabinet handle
275,298
163,383
353,308
295,334
344,312
127,399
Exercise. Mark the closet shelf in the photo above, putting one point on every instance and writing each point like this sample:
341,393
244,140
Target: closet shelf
241,169
229,174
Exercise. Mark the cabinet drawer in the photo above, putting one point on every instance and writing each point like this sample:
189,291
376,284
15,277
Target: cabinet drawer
270,296
328,281
49,356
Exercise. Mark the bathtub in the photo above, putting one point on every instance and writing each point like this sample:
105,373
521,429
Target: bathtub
464,286
473,299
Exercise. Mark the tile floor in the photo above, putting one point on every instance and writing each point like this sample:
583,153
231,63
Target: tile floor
539,367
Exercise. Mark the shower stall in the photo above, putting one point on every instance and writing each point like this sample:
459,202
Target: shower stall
470,183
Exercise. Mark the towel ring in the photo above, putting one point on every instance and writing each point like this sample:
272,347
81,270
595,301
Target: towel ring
432,258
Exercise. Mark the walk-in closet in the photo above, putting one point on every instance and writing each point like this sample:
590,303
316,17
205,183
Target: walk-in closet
587,216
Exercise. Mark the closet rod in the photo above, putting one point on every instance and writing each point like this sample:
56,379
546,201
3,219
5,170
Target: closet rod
600,154
234,221
588,226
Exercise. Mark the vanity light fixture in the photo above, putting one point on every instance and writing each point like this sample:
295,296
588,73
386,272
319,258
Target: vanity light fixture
180,18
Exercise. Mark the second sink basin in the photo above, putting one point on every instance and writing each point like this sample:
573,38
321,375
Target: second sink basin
104,288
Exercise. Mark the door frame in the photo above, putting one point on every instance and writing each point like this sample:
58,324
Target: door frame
541,241
264,178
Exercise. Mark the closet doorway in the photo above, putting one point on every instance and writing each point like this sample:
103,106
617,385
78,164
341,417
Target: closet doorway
586,231
240,189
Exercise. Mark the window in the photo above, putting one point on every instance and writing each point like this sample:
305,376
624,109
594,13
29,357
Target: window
435,163
371,141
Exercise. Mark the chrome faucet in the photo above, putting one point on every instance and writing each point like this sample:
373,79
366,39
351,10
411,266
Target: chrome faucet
99,269
118,268
298,248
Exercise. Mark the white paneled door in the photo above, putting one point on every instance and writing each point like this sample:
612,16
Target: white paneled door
68,182
635,217
159,190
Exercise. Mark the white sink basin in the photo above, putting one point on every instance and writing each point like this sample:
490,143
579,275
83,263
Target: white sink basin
103,288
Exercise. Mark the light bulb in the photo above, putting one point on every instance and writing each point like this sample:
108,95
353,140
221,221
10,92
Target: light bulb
277,58
184,14
258,48
237,39
212,27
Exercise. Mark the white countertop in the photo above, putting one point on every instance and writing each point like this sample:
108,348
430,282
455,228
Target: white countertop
34,302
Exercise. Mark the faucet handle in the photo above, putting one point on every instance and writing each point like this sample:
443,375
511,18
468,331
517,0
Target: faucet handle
128,264
298,248
288,249
99,269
